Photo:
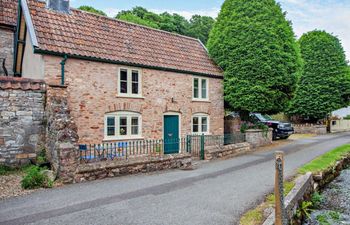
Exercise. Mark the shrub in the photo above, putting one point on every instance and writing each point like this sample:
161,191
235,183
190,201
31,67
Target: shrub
5,170
316,199
35,179
347,117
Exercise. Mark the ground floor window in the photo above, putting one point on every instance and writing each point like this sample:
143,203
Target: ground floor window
122,125
200,124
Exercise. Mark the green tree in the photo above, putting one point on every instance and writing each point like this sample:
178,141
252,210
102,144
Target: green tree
92,10
200,27
255,45
324,85
197,27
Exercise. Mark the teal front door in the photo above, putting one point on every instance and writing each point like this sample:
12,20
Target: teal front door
171,134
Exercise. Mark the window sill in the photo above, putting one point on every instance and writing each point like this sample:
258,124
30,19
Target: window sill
123,139
129,96
201,100
200,134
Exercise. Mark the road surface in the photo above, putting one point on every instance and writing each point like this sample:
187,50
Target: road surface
216,192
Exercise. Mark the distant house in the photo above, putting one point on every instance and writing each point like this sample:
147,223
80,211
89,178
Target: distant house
341,112
124,81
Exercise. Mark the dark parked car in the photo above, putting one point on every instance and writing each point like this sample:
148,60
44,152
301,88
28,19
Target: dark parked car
281,130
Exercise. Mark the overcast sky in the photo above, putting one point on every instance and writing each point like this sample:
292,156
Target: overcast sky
330,15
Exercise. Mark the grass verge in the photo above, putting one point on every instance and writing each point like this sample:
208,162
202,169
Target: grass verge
326,160
256,216
323,162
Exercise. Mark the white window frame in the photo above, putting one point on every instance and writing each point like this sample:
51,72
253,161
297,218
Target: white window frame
117,116
200,116
129,93
200,94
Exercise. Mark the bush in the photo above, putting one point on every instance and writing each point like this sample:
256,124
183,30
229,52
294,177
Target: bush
5,170
347,117
35,179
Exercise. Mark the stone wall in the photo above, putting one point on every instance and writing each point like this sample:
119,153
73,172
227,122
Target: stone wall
310,129
100,170
61,134
305,186
21,119
258,138
6,50
232,124
92,92
226,151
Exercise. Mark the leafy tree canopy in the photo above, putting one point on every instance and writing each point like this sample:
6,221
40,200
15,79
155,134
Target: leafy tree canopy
325,82
255,45
198,26
92,10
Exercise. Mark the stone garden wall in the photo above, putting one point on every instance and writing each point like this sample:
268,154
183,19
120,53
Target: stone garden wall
226,151
22,121
100,170
257,137
305,186
310,129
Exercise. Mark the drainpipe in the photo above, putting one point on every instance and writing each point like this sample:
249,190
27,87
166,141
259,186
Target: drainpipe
63,63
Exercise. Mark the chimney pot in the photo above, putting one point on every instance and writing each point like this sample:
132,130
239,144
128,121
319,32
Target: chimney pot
58,5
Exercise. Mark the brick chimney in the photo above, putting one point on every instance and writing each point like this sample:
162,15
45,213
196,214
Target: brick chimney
58,5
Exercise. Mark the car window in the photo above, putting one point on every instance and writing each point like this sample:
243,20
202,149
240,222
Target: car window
260,117
267,117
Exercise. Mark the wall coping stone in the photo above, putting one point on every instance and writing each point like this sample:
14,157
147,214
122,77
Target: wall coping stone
256,130
91,167
19,83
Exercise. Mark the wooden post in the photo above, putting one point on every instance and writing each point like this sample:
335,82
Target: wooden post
279,195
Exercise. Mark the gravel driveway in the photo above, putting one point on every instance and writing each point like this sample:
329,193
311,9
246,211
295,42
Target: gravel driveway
215,193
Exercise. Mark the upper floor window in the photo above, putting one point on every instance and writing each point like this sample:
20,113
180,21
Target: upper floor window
200,88
200,124
122,125
129,82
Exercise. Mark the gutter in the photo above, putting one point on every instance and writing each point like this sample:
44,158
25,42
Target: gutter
90,58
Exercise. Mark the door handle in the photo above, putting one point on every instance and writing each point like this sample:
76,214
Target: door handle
170,134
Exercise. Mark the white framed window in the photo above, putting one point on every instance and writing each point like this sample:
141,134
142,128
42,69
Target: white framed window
129,82
200,89
122,125
200,123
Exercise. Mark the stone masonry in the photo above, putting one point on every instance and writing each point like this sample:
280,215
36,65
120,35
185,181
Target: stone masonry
257,137
6,52
61,134
21,119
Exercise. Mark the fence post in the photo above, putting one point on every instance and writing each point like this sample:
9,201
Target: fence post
188,143
279,192
202,147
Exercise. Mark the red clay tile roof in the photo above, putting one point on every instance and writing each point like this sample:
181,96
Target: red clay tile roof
84,34
8,12
21,83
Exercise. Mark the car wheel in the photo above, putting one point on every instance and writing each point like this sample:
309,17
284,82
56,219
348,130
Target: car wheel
274,136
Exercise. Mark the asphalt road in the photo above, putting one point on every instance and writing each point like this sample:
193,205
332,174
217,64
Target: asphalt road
215,193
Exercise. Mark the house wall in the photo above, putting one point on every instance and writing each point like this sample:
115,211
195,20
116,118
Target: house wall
92,88
6,49
33,64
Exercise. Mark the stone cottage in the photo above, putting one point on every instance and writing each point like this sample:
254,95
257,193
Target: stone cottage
122,81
